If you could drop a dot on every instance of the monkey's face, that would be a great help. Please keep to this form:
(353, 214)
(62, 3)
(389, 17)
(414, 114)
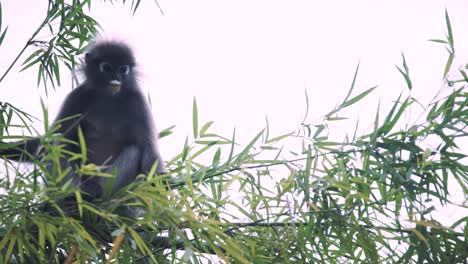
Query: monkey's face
(113, 76)
(109, 68)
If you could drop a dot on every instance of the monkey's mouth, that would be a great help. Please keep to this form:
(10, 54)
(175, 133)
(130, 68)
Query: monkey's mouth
(114, 86)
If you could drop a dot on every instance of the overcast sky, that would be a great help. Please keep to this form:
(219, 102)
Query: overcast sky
(244, 60)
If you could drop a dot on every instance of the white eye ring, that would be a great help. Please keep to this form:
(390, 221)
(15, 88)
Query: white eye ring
(124, 69)
(105, 67)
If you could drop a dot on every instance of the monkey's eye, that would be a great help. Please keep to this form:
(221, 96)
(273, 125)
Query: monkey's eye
(105, 67)
(124, 69)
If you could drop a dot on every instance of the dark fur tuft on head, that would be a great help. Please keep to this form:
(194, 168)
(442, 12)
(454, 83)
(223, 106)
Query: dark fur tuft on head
(111, 51)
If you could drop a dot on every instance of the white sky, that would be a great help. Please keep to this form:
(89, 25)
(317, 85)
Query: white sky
(244, 60)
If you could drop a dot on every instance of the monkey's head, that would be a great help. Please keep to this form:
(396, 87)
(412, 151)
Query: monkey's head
(110, 66)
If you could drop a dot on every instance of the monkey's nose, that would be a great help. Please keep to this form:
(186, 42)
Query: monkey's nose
(114, 86)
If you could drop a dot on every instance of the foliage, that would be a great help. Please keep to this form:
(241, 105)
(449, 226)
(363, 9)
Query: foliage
(293, 198)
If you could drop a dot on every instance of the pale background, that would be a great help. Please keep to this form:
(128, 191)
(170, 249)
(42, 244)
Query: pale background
(244, 60)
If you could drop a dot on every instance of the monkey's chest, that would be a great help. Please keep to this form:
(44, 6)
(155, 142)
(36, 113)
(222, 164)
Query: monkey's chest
(106, 137)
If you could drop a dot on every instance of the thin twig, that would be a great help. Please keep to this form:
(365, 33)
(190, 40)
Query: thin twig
(117, 243)
(70, 256)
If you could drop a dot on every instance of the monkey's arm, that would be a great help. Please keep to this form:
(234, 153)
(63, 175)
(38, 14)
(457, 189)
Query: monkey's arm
(70, 115)
(21, 150)
(24, 150)
(148, 141)
(149, 157)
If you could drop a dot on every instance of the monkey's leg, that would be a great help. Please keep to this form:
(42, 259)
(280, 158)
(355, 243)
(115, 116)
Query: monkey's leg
(127, 167)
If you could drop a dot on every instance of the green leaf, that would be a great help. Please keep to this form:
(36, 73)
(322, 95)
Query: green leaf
(39, 74)
(206, 147)
(465, 76)
(216, 157)
(45, 115)
(307, 106)
(204, 128)
(195, 118)
(352, 84)
(336, 118)
(407, 79)
(329, 143)
(1, 15)
(462, 221)
(31, 63)
(448, 65)
(231, 151)
(79, 202)
(166, 132)
(56, 69)
(3, 35)
(185, 150)
(82, 142)
(357, 98)
(405, 73)
(211, 142)
(449, 30)
(42, 236)
(246, 150)
(390, 123)
(135, 6)
(11, 246)
(279, 138)
(319, 130)
(142, 246)
(439, 41)
(267, 162)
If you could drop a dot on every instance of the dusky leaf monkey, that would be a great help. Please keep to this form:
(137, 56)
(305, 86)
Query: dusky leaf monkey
(114, 118)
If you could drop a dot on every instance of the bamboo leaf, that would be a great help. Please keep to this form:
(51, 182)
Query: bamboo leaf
(204, 128)
(216, 158)
(353, 83)
(82, 143)
(2, 37)
(420, 236)
(166, 132)
(55, 66)
(246, 150)
(231, 151)
(1, 16)
(439, 41)
(30, 63)
(195, 118)
(357, 98)
(405, 73)
(449, 30)
(448, 65)
(279, 138)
